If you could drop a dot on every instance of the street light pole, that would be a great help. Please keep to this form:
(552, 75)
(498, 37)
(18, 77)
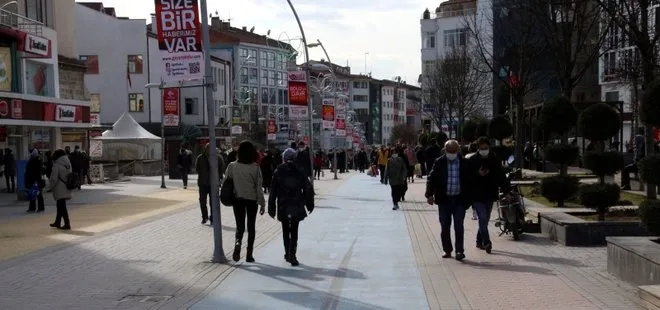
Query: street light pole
(162, 138)
(309, 104)
(218, 252)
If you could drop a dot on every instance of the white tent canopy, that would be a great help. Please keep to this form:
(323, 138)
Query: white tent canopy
(127, 129)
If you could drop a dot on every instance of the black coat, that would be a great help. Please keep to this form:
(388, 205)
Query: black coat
(33, 173)
(267, 167)
(486, 188)
(432, 153)
(436, 182)
(304, 162)
(285, 202)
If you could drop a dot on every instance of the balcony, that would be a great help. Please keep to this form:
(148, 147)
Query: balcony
(22, 23)
(455, 13)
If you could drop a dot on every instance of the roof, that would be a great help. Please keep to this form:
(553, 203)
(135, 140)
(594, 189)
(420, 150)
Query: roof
(98, 6)
(71, 62)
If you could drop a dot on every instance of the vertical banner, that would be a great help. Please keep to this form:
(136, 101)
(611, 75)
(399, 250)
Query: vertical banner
(298, 88)
(272, 129)
(328, 114)
(5, 69)
(340, 127)
(171, 106)
(179, 40)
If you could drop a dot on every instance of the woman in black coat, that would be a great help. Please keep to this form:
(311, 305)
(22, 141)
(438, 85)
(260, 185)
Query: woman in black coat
(267, 170)
(290, 192)
(33, 175)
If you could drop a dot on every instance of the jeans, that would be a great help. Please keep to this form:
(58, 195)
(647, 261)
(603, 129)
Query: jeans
(381, 169)
(398, 191)
(10, 179)
(204, 192)
(62, 213)
(454, 209)
(625, 175)
(37, 204)
(317, 173)
(184, 176)
(245, 208)
(483, 209)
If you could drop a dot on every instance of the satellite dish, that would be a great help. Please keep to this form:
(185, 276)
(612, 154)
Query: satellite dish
(268, 33)
(252, 29)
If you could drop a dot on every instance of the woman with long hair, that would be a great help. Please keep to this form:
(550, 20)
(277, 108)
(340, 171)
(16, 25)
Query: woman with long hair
(248, 182)
(57, 184)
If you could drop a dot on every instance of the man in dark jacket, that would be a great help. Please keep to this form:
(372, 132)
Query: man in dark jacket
(448, 186)
(33, 176)
(290, 192)
(9, 161)
(487, 177)
(303, 159)
(184, 162)
(433, 152)
(203, 167)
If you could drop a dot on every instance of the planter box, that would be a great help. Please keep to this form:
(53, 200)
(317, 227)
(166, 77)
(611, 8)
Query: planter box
(573, 231)
(635, 260)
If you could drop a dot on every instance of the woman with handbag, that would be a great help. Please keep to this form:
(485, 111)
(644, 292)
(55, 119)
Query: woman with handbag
(245, 174)
(34, 182)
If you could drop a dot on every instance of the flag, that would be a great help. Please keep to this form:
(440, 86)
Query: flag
(128, 75)
(513, 79)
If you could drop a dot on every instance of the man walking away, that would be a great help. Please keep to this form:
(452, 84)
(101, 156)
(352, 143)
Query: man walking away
(640, 149)
(447, 186)
(396, 175)
(184, 162)
(203, 166)
(9, 162)
(487, 177)
(434, 151)
(75, 158)
(303, 160)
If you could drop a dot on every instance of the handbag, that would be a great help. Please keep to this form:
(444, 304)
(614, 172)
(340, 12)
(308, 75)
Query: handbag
(33, 192)
(227, 192)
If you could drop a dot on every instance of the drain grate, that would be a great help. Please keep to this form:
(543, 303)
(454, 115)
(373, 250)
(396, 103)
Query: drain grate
(146, 298)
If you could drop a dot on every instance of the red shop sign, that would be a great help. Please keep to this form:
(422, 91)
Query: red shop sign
(272, 127)
(16, 108)
(4, 108)
(297, 93)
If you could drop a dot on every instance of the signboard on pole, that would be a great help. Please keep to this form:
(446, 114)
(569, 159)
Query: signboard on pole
(171, 107)
(298, 113)
(272, 129)
(328, 114)
(298, 88)
(179, 40)
(340, 127)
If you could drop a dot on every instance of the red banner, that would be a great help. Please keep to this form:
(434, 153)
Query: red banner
(178, 26)
(171, 107)
(341, 124)
(656, 133)
(298, 88)
(272, 126)
(356, 138)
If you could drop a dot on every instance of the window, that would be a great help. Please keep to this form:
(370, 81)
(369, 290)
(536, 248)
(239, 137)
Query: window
(92, 63)
(429, 40)
(190, 106)
(271, 60)
(455, 37)
(360, 98)
(253, 76)
(264, 95)
(609, 64)
(221, 76)
(95, 103)
(244, 75)
(273, 78)
(243, 53)
(263, 61)
(264, 77)
(271, 96)
(36, 10)
(360, 85)
(135, 102)
(252, 57)
(281, 78)
(135, 64)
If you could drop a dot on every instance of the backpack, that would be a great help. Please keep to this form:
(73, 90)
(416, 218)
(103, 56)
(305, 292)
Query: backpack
(72, 181)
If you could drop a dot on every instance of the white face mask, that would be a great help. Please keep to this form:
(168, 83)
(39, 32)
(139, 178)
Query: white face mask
(451, 156)
(484, 153)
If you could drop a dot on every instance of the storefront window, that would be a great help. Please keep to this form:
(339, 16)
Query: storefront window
(38, 79)
(39, 138)
(136, 102)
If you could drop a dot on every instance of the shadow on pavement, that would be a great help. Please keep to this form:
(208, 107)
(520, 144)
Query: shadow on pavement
(541, 259)
(310, 298)
(510, 267)
(326, 207)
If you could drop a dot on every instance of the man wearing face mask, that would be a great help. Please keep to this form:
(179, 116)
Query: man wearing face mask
(448, 186)
(486, 178)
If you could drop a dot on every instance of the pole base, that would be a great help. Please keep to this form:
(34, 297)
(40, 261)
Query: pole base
(219, 260)
(163, 186)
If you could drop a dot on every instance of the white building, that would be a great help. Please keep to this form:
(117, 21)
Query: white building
(387, 110)
(32, 114)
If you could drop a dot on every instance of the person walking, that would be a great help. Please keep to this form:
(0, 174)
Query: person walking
(184, 162)
(267, 167)
(303, 159)
(9, 161)
(34, 176)
(640, 152)
(397, 171)
(61, 193)
(434, 151)
(248, 182)
(383, 157)
(412, 161)
(487, 179)
(318, 165)
(291, 192)
(448, 186)
(203, 167)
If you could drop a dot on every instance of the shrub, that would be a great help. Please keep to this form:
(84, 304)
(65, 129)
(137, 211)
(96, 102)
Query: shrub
(649, 169)
(599, 196)
(500, 128)
(599, 122)
(603, 164)
(482, 129)
(561, 154)
(649, 213)
(559, 188)
(650, 110)
(558, 115)
(469, 131)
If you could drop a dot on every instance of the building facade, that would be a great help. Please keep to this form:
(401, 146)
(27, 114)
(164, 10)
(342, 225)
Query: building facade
(34, 113)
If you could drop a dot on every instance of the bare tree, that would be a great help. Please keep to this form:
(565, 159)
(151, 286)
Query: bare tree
(455, 87)
(633, 28)
(511, 46)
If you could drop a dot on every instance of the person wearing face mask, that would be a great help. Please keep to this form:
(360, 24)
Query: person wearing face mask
(448, 186)
(487, 177)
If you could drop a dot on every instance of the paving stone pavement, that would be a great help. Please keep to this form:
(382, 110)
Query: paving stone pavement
(533, 273)
(159, 264)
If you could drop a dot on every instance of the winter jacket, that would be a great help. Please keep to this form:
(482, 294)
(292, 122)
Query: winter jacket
(397, 170)
(61, 170)
(248, 181)
(290, 192)
(33, 172)
(184, 160)
(203, 168)
(487, 188)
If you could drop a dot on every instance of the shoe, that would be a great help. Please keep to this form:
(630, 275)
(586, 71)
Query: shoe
(480, 247)
(65, 227)
(30, 211)
(403, 198)
(249, 259)
(55, 225)
(286, 258)
(447, 255)
(40, 210)
(489, 248)
(395, 207)
(294, 261)
(185, 187)
(460, 256)
(237, 251)
(204, 221)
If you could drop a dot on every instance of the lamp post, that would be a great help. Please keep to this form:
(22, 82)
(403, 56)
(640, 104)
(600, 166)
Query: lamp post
(161, 86)
(309, 105)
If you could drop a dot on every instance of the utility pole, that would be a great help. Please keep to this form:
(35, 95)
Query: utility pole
(218, 252)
